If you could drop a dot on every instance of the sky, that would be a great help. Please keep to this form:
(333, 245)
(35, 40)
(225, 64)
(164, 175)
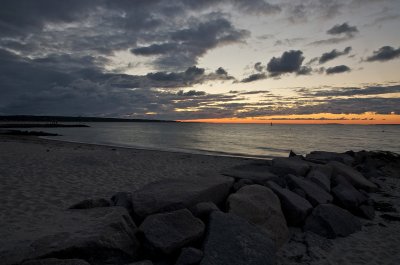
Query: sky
(281, 61)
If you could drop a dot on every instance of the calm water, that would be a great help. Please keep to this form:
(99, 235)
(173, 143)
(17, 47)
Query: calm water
(253, 140)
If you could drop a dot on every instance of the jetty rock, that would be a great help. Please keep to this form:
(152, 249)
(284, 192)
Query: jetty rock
(234, 241)
(331, 221)
(168, 232)
(98, 236)
(174, 194)
(294, 207)
(353, 176)
(260, 206)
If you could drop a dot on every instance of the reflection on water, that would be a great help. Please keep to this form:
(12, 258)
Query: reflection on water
(255, 140)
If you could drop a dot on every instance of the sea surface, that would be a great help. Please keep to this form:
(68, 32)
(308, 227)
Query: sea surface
(248, 140)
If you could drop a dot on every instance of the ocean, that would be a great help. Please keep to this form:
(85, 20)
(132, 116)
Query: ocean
(245, 140)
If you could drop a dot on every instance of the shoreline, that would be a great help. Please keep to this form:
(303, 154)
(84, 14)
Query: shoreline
(183, 151)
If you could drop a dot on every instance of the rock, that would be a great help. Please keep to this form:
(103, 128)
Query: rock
(168, 232)
(367, 211)
(314, 193)
(259, 205)
(325, 157)
(241, 183)
(234, 241)
(56, 262)
(348, 197)
(91, 203)
(203, 209)
(98, 235)
(173, 194)
(321, 175)
(123, 199)
(331, 221)
(189, 256)
(294, 207)
(292, 154)
(258, 173)
(353, 176)
(284, 166)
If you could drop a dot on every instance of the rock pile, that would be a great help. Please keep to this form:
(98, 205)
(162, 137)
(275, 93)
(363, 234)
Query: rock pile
(239, 217)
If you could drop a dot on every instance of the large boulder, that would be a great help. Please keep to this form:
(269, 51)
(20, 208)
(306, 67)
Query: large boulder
(325, 157)
(234, 241)
(283, 166)
(295, 208)
(353, 176)
(314, 194)
(348, 197)
(321, 175)
(259, 205)
(52, 261)
(168, 232)
(173, 194)
(331, 221)
(258, 173)
(98, 236)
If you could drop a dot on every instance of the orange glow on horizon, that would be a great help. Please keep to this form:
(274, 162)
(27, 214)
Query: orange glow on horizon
(320, 118)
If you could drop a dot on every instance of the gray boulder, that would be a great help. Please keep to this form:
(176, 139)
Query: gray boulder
(293, 165)
(52, 261)
(331, 221)
(325, 157)
(259, 205)
(98, 235)
(321, 175)
(91, 203)
(168, 232)
(294, 207)
(348, 197)
(314, 193)
(189, 256)
(234, 241)
(353, 176)
(173, 194)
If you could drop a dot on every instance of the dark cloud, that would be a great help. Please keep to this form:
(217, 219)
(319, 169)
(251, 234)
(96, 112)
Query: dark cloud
(342, 32)
(353, 91)
(344, 28)
(185, 46)
(385, 53)
(254, 77)
(221, 71)
(289, 62)
(190, 93)
(328, 56)
(259, 67)
(337, 69)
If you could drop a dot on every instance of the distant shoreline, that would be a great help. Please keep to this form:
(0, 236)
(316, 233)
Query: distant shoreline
(52, 119)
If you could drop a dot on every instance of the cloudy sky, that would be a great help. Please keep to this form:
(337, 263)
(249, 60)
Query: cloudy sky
(228, 60)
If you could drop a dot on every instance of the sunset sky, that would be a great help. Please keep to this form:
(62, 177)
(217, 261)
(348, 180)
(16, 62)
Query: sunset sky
(281, 61)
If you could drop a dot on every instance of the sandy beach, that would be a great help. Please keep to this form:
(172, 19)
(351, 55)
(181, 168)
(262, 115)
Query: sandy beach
(39, 178)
